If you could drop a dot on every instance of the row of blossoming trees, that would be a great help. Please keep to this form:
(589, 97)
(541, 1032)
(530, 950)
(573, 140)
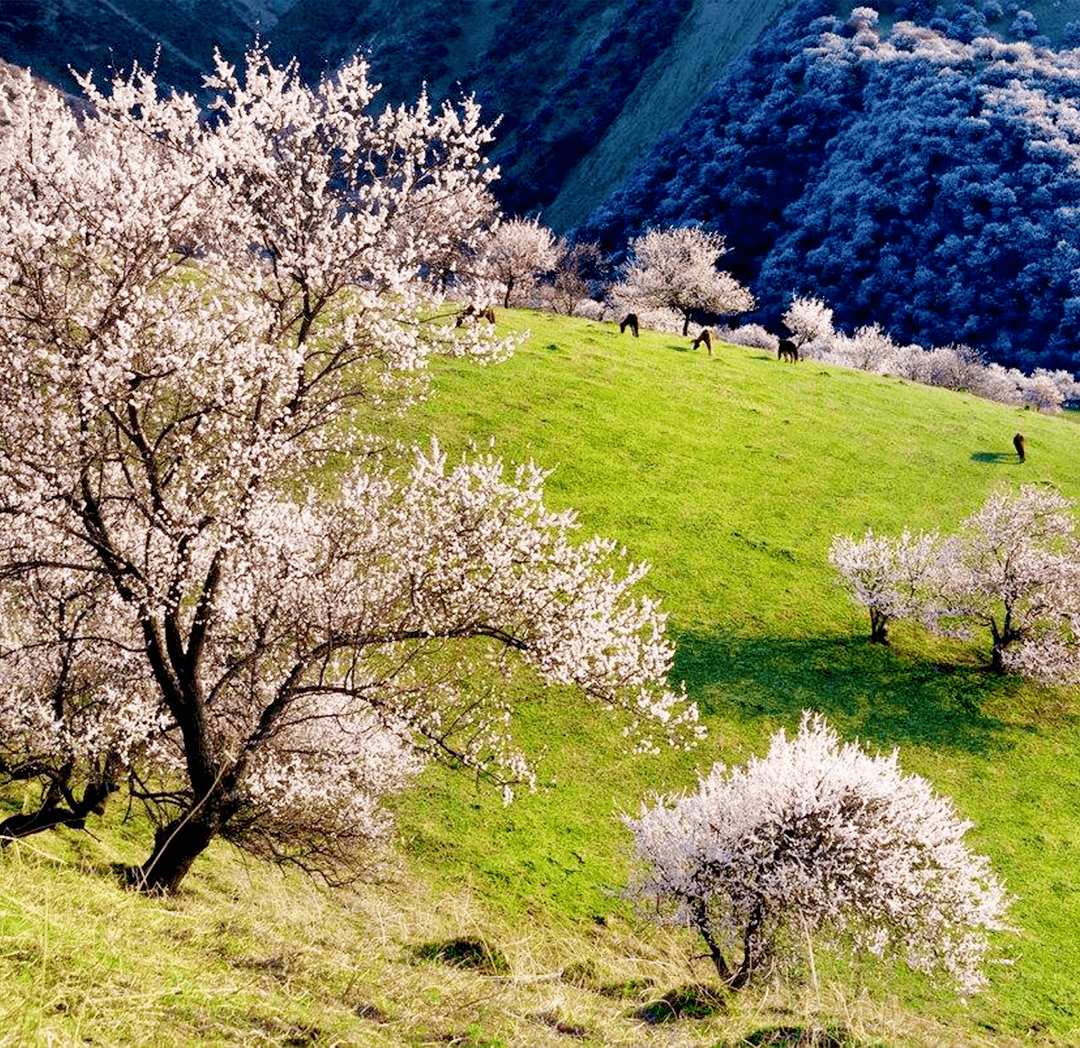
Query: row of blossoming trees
(671, 277)
(957, 367)
(1013, 569)
(195, 316)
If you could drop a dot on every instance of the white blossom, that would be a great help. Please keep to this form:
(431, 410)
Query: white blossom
(809, 319)
(893, 578)
(675, 270)
(519, 250)
(1013, 569)
(818, 840)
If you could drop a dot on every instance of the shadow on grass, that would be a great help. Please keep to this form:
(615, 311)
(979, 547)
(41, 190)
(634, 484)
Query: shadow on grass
(888, 699)
(800, 1037)
(694, 1001)
(464, 952)
(995, 456)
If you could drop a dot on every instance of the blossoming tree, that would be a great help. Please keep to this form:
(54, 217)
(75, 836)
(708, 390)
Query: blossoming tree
(818, 838)
(195, 604)
(519, 250)
(1013, 569)
(809, 319)
(1018, 575)
(675, 269)
(890, 577)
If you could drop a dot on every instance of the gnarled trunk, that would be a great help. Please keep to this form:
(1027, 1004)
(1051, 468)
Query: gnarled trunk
(879, 627)
(176, 846)
(52, 811)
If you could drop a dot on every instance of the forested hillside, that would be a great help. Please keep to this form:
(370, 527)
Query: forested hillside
(919, 174)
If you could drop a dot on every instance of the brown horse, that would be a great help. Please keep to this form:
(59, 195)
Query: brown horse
(788, 351)
(471, 312)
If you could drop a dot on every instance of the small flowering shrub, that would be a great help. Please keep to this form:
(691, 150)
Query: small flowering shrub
(959, 367)
(753, 335)
(818, 840)
(809, 320)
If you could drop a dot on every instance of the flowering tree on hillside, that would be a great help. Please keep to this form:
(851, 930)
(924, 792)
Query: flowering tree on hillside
(1013, 569)
(676, 269)
(579, 269)
(194, 317)
(809, 320)
(1018, 575)
(818, 839)
(517, 252)
(891, 577)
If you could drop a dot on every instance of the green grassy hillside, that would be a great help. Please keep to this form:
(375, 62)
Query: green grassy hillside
(730, 474)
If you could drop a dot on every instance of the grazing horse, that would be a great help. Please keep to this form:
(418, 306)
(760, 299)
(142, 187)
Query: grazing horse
(629, 321)
(788, 351)
(471, 312)
(705, 337)
(1018, 443)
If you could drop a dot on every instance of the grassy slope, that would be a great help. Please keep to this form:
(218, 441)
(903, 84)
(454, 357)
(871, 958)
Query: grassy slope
(730, 475)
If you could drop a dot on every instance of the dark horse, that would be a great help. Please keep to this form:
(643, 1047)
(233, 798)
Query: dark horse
(788, 351)
(476, 313)
(629, 321)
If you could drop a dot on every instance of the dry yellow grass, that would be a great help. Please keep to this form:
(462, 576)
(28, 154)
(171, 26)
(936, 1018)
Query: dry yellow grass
(246, 955)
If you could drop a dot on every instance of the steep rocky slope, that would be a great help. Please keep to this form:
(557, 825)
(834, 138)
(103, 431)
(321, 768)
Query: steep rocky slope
(583, 96)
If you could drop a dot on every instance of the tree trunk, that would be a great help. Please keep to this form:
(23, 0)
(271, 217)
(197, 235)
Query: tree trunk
(686, 324)
(1002, 638)
(879, 627)
(715, 953)
(176, 847)
(51, 813)
(749, 961)
(997, 661)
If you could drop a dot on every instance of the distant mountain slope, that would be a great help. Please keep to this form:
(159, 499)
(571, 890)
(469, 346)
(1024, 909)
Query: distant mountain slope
(585, 88)
(917, 175)
(832, 177)
(709, 39)
(54, 36)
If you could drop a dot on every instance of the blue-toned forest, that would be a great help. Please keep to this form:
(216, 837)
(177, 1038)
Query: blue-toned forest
(912, 169)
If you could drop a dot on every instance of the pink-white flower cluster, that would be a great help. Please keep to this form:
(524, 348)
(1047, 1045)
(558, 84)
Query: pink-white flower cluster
(818, 839)
(197, 316)
(888, 576)
(958, 367)
(519, 251)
